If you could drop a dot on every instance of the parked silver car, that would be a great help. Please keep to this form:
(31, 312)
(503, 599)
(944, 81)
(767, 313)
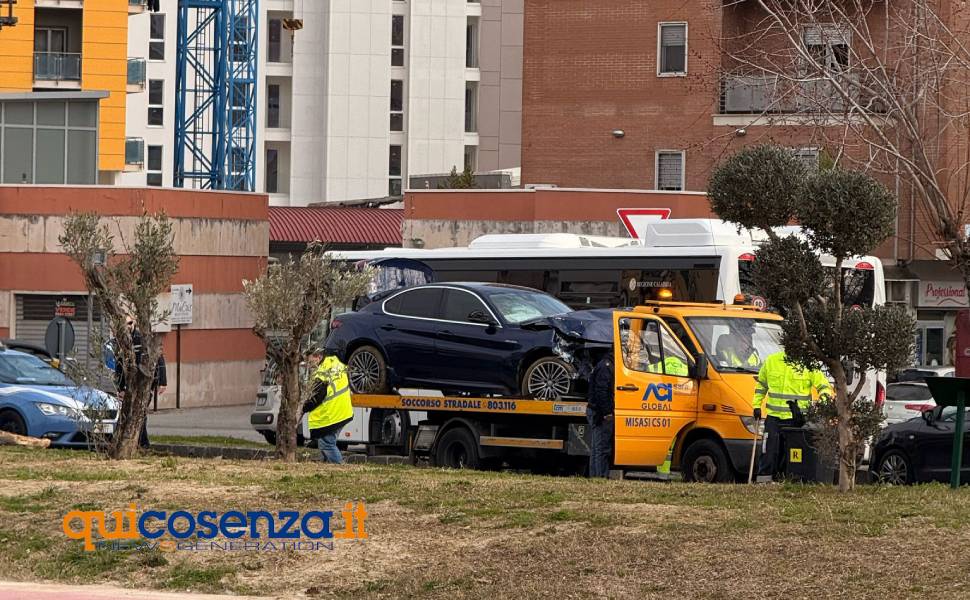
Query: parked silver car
(905, 401)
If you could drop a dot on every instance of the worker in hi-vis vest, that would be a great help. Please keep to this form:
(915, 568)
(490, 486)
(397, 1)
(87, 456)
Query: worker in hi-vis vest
(329, 403)
(778, 384)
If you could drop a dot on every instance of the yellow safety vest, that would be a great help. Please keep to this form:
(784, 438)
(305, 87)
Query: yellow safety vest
(337, 406)
(733, 359)
(779, 382)
(671, 366)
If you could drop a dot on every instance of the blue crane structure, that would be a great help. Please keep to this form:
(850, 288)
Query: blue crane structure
(215, 94)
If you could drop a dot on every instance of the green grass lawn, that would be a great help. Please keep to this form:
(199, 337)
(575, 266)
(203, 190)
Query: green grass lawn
(460, 534)
(209, 440)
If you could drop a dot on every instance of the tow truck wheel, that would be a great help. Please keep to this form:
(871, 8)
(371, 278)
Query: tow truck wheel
(367, 371)
(548, 378)
(457, 449)
(705, 462)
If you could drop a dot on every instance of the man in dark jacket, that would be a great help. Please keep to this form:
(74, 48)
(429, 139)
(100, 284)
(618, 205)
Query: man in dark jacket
(599, 414)
(158, 385)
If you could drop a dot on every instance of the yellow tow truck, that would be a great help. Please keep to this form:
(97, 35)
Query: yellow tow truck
(685, 377)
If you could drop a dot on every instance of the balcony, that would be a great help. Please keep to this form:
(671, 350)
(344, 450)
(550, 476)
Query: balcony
(136, 75)
(744, 99)
(58, 67)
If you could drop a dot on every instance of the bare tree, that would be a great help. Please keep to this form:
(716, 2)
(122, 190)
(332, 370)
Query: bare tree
(127, 282)
(288, 302)
(885, 85)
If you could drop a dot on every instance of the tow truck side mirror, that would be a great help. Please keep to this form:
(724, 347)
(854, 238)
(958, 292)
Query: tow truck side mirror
(700, 367)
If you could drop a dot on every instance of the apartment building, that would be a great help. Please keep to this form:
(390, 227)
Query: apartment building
(355, 96)
(651, 95)
(63, 91)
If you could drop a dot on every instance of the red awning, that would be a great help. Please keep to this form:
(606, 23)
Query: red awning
(335, 225)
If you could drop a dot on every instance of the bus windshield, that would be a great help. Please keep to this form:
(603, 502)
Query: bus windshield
(737, 345)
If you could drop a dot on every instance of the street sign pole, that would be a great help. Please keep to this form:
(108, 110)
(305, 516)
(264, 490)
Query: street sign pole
(956, 461)
(178, 366)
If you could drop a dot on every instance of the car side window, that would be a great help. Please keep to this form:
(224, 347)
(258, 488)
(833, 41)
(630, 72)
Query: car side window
(459, 304)
(422, 302)
(681, 332)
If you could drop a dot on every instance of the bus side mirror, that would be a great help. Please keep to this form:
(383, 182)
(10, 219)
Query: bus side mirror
(700, 367)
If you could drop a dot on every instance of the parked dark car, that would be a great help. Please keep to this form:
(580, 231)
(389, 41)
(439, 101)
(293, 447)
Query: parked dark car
(455, 337)
(920, 449)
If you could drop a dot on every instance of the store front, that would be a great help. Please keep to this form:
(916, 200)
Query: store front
(940, 296)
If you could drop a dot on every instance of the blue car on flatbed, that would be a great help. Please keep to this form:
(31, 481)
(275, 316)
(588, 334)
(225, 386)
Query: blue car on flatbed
(39, 400)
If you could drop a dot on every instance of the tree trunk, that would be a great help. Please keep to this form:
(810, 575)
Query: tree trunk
(846, 454)
(290, 409)
(131, 419)
(12, 439)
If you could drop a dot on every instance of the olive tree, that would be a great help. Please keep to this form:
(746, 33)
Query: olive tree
(287, 303)
(843, 214)
(127, 279)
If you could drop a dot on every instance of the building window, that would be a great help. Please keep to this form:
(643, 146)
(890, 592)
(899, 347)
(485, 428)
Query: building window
(670, 170)
(397, 105)
(156, 101)
(471, 106)
(237, 103)
(471, 43)
(156, 37)
(808, 157)
(828, 46)
(471, 158)
(394, 171)
(272, 170)
(672, 49)
(274, 48)
(154, 166)
(397, 41)
(273, 105)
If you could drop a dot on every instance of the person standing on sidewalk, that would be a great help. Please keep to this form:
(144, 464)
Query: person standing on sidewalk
(599, 415)
(329, 403)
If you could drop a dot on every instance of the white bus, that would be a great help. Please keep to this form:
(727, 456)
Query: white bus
(698, 260)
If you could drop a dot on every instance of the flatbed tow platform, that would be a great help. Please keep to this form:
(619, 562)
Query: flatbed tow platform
(485, 432)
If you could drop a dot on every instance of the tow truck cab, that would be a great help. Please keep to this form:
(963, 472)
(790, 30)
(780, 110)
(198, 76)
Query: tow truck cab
(685, 378)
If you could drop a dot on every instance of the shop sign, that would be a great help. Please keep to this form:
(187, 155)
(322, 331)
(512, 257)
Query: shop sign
(942, 294)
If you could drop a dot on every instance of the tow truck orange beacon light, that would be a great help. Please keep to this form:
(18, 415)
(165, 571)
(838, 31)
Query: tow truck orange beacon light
(664, 294)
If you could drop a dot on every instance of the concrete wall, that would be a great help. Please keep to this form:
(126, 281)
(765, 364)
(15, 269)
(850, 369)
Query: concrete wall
(222, 239)
(500, 89)
(443, 218)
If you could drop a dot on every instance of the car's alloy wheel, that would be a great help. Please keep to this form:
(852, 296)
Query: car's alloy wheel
(893, 469)
(365, 369)
(548, 379)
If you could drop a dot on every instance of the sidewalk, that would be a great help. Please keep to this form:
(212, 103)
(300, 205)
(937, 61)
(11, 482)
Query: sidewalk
(224, 421)
(10, 590)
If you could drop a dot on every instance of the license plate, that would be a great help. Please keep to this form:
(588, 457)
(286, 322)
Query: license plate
(104, 428)
(261, 400)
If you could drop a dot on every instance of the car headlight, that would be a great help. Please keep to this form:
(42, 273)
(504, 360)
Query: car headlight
(54, 410)
(751, 424)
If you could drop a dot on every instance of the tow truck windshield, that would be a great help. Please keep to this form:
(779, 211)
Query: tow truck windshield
(736, 345)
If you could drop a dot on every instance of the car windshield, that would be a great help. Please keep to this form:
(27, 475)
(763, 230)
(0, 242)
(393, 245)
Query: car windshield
(737, 345)
(519, 306)
(30, 370)
(908, 392)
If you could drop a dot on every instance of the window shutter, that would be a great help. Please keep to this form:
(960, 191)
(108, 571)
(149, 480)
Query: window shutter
(673, 35)
(670, 169)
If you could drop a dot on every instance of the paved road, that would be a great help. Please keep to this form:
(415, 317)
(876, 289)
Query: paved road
(41, 591)
(230, 421)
